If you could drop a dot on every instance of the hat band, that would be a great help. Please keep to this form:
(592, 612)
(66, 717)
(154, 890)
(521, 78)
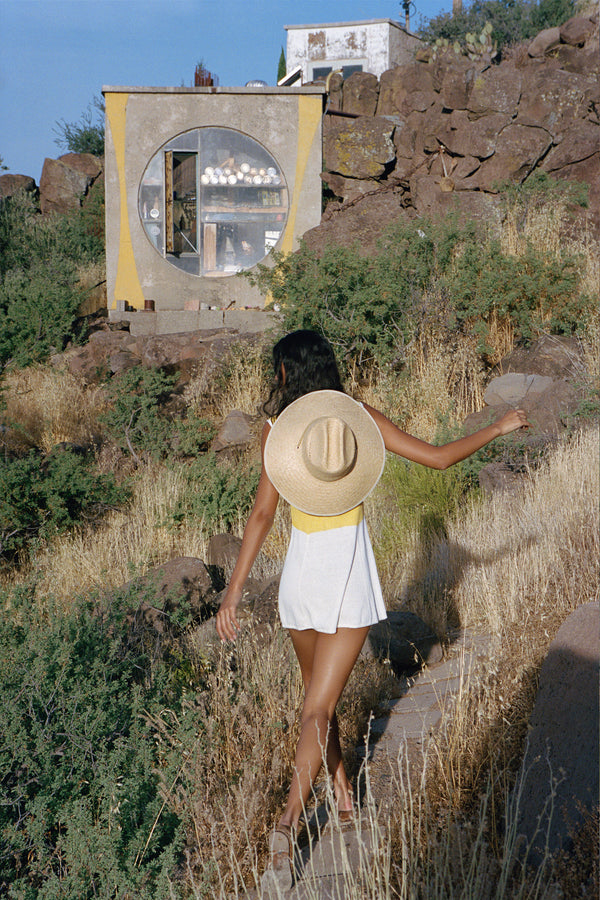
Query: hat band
(328, 448)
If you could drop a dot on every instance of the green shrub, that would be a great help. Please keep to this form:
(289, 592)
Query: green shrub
(39, 289)
(371, 308)
(537, 291)
(39, 498)
(38, 306)
(368, 307)
(82, 814)
(425, 499)
(135, 421)
(218, 494)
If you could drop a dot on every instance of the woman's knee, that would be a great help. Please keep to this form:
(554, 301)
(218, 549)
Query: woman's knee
(318, 716)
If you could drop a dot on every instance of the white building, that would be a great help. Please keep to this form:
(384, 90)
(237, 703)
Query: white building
(371, 46)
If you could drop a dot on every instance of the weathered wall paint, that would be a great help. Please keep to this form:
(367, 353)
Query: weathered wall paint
(377, 44)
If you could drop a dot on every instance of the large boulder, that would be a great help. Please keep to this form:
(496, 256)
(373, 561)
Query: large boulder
(554, 100)
(360, 94)
(358, 148)
(258, 610)
(349, 189)
(12, 184)
(235, 433)
(65, 181)
(464, 137)
(558, 784)
(456, 80)
(179, 587)
(405, 89)
(577, 30)
(497, 90)
(514, 388)
(518, 149)
(86, 163)
(544, 42)
(575, 147)
(223, 551)
(361, 224)
(557, 356)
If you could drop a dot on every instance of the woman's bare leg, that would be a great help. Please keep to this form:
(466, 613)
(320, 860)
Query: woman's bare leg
(326, 661)
(304, 644)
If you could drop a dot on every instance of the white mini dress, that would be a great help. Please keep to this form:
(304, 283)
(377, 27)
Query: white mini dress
(329, 578)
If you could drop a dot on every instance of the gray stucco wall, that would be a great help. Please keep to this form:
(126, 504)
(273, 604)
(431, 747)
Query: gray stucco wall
(275, 117)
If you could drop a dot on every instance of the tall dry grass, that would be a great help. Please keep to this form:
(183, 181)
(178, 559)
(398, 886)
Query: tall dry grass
(46, 406)
(239, 382)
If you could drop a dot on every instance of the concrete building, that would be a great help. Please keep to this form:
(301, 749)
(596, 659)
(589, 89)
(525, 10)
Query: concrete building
(201, 184)
(371, 46)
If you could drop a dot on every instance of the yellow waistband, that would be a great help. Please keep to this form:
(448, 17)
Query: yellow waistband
(309, 524)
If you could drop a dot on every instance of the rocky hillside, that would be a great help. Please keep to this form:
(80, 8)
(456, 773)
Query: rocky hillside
(444, 131)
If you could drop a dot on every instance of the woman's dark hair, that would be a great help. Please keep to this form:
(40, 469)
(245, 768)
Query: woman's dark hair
(309, 363)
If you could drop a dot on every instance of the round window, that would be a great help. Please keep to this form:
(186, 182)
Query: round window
(213, 201)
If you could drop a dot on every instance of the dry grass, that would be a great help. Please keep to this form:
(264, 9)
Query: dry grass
(46, 406)
(240, 381)
(128, 541)
(443, 379)
(501, 558)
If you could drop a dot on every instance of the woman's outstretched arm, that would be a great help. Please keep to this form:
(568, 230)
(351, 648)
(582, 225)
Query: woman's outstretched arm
(257, 527)
(398, 441)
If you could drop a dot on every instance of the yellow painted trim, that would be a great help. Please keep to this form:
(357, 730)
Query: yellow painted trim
(127, 283)
(310, 524)
(309, 118)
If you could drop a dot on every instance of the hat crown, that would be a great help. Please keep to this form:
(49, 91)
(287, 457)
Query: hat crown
(329, 448)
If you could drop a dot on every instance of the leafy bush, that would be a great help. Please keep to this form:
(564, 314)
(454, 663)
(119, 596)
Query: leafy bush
(39, 289)
(370, 308)
(82, 814)
(87, 134)
(511, 22)
(219, 494)
(37, 310)
(534, 292)
(40, 498)
(134, 420)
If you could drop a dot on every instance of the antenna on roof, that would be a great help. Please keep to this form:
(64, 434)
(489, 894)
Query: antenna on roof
(409, 9)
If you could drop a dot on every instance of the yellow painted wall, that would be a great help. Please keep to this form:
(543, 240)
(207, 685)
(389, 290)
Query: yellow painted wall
(127, 283)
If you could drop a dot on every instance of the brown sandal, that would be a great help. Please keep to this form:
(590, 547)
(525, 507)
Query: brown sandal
(281, 847)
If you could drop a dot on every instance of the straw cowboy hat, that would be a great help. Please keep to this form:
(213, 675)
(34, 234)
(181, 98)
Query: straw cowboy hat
(324, 453)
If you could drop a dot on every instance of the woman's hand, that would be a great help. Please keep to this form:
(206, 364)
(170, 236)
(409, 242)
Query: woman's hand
(227, 623)
(511, 421)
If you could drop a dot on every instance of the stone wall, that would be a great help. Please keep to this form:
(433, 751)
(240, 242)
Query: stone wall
(443, 131)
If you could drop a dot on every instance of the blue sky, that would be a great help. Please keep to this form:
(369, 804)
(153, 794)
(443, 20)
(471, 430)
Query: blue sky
(56, 54)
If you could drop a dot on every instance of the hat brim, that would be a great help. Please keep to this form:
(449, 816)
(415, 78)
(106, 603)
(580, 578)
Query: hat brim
(287, 472)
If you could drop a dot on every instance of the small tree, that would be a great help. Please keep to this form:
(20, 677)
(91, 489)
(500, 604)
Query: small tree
(86, 135)
(281, 67)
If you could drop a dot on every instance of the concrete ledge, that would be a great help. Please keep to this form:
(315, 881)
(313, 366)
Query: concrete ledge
(180, 321)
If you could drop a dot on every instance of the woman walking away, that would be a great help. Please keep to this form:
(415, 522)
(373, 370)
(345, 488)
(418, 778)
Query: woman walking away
(324, 452)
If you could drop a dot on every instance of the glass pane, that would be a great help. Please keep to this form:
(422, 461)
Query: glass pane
(151, 203)
(243, 201)
(225, 206)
